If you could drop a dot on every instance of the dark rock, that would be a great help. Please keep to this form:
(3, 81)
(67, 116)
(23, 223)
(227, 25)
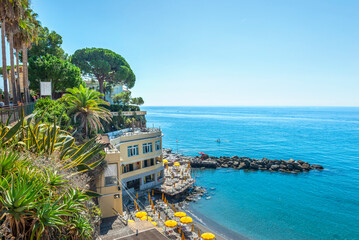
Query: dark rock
(254, 166)
(205, 156)
(283, 166)
(274, 167)
(319, 167)
(306, 166)
(291, 161)
(300, 162)
(242, 165)
(296, 166)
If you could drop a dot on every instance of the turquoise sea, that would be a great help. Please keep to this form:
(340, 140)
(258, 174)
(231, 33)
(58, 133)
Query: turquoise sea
(264, 205)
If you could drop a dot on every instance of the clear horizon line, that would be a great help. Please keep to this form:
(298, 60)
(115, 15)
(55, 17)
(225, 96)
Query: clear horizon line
(249, 106)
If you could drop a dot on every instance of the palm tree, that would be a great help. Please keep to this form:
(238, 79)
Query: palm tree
(32, 28)
(84, 104)
(11, 12)
(4, 6)
(23, 39)
(18, 41)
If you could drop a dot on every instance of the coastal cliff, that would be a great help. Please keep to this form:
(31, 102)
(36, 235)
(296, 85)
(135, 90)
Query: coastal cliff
(245, 163)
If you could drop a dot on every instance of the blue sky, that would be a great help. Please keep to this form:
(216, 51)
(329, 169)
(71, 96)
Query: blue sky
(222, 52)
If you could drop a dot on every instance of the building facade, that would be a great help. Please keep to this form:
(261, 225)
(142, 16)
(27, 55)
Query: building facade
(134, 158)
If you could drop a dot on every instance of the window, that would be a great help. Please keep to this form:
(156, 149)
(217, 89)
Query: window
(132, 150)
(158, 145)
(147, 148)
(149, 178)
(127, 168)
(160, 175)
(148, 162)
(111, 175)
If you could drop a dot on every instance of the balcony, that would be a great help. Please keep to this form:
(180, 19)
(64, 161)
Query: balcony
(141, 170)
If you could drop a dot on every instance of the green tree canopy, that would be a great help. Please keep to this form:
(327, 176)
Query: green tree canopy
(105, 65)
(49, 43)
(122, 98)
(60, 72)
(125, 98)
(137, 101)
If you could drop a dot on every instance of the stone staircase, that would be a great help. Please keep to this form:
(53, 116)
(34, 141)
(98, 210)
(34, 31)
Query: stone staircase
(113, 227)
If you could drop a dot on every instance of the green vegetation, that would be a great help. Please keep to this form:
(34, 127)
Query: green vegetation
(125, 98)
(60, 72)
(51, 110)
(48, 62)
(44, 191)
(20, 27)
(48, 43)
(105, 65)
(85, 106)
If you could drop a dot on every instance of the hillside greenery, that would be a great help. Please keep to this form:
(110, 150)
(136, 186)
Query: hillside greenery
(44, 190)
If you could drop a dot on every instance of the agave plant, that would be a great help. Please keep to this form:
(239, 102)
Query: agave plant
(80, 228)
(74, 200)
(48, 214)
(20, 194)
(7, 161)
(39, 201)
(48, 139)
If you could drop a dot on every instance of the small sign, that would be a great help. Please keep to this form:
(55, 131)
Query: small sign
(45, 88)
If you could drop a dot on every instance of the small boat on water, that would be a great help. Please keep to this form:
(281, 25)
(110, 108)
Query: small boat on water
(212, 188)
(208, 198)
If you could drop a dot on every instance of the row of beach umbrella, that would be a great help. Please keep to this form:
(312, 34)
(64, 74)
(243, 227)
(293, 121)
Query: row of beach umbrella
(184, 219)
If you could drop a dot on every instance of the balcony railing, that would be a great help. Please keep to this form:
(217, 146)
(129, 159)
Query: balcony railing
(130, 113)
(131, 132)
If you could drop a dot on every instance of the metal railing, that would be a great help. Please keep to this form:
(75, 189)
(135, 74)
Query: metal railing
(13, 113)
(131, 132)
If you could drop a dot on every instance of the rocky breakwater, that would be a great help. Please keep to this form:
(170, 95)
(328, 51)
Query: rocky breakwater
(288, 166)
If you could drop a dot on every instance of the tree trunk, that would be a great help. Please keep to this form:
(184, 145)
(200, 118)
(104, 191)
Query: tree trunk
(13, 82)
(86, 128)
(100, 83)
(24, 74)
(4, 67)
(18, 85)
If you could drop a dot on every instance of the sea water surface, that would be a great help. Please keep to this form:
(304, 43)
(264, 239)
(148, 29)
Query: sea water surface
(263, 205)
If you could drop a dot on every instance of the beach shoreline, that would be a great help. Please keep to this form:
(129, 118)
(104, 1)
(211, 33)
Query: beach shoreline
(207, 224)
(204, 223)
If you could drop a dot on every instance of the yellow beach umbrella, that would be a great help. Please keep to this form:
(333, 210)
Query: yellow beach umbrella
(154, 223)
(186, 220)
(170, 223)
(176, 164)
(165, 161)
(180, 214)
(141, 214)
(208, 236)
(146, 218)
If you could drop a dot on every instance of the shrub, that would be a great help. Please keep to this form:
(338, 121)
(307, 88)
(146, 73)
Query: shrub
(54, 110)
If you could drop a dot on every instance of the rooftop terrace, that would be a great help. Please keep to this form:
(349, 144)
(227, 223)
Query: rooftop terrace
(132, 132)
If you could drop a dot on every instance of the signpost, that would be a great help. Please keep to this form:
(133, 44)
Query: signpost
(45, 89)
